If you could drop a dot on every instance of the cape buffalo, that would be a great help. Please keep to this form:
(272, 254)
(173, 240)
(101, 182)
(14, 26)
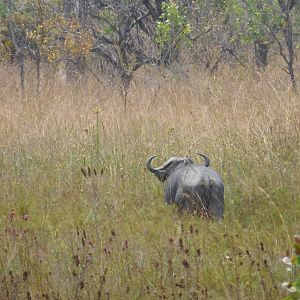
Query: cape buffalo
(192, 186)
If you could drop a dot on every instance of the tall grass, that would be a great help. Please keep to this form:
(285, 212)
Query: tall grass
(82, 219)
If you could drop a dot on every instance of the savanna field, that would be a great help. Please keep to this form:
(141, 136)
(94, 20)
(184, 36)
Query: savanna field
(81, 218)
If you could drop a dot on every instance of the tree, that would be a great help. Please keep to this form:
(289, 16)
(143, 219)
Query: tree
(16, 38)
(287, 28)
(172, 31)
(262, 22)
(124, 36)
(38, 30)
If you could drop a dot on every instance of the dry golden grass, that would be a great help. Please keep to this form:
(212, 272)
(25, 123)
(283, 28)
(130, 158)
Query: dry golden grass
(110, 235)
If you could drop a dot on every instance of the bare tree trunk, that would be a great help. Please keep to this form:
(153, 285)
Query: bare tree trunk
(154, 11)
(38, 76)
(83, 10)
(286, 8)
(22, 73)
(18, 45)
(288, 35)
(75, 68)
(261, 54)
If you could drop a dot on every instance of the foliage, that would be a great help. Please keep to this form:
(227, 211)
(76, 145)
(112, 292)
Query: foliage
(41, 27)
(172, 31)
(172, 28)
(130, 34)
(59, 38)
(255, 20)
(2, 9)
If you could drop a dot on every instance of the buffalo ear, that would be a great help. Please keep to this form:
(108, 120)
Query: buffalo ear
(161, 176)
